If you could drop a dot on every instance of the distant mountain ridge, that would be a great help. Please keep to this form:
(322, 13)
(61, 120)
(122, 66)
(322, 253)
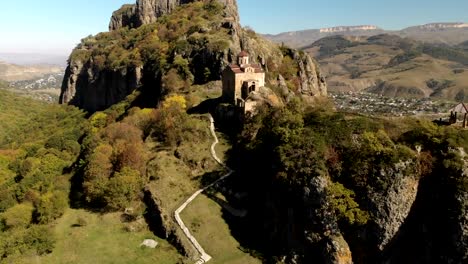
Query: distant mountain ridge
(442, 26)
(341, 29)
(447, 33)
(393, 66)
(34, 59)
(14, 72)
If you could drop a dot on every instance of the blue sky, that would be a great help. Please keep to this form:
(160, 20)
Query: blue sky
(56, 26)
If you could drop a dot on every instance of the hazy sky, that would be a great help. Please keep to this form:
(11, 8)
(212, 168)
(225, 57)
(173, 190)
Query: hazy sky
(56, 26)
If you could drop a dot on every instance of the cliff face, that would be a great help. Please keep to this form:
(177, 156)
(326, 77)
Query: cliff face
(348, 202)
(207, 47)
(312, 81)
(123, 17)
(148, 11)
(391, 208)
(94, 89)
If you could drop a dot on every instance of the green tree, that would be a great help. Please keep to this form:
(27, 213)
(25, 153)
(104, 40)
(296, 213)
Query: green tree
(97, 172)
(346, 208)
(50, 207)
(18, 216)
(123, 188)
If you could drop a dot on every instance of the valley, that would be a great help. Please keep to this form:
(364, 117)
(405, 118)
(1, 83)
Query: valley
(377, 105)
(182, 136)
(435, 33)
(392, 66)
(41, 82)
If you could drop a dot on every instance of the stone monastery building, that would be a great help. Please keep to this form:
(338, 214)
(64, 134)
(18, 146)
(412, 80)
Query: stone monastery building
(241, 79)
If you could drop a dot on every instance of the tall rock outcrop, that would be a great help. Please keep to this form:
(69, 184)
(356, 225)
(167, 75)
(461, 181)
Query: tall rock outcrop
(392, 207)
(124, 17)
(312, 81)
(148, 11)
(94, 89)
(105, 68)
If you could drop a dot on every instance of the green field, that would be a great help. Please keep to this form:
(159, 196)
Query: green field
(104, 240)
(204, 218)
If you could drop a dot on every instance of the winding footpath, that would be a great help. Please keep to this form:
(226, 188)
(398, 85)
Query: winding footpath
(204, 257)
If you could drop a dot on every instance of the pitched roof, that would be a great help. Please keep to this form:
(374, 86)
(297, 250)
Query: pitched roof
(460, 108)
(243, 54)
(238, 69)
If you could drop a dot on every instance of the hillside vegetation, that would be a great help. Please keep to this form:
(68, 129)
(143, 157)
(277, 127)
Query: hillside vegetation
(393, 66)
(38, 143)
(44, 170)
(324, 185)
(189, 46)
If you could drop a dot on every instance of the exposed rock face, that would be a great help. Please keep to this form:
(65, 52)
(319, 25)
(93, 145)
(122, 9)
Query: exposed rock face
(461, 214)
(324, 233)
(393, 207)
(264, 96)
(163, 225)
(70, 79)
(94, 89)
(338, 251)
(312, 82)
(285, 92)
(461, 225)
(148, 11)
(442, 26)
(123, 17)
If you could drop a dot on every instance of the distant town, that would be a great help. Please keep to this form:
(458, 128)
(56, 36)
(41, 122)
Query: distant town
(45, 88)
(373, 104)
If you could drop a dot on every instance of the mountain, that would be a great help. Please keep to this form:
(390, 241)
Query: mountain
(14, 72)
(42, 81)
(393, 66)
(293, 182)
(302, 38)
(155, 41)
(34, 59)
(447, 33)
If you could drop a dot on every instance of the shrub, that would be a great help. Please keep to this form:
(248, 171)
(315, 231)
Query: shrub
(123, 188)
(50, 207)
(172, 82)
(288, 68)
(18, 216)
(41, 239)
(345, 207)
(98, 121)
(97, 172)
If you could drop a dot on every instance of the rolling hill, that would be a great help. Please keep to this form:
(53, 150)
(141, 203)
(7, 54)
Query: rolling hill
(446, 33)
(393, 66)
(14, 72)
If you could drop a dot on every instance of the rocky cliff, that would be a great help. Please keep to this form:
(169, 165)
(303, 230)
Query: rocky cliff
(103, 69)
(125, 16)
(441, 26)
(322, 192)
(148, 11)
(93, 89)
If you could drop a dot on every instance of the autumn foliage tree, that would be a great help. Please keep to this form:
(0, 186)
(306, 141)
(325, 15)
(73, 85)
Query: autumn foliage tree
(113, 176)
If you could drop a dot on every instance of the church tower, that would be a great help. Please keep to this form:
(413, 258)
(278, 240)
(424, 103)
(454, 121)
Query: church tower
(243, 58)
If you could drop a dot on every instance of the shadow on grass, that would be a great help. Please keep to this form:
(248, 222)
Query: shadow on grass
(238, 213)
(205, 107)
